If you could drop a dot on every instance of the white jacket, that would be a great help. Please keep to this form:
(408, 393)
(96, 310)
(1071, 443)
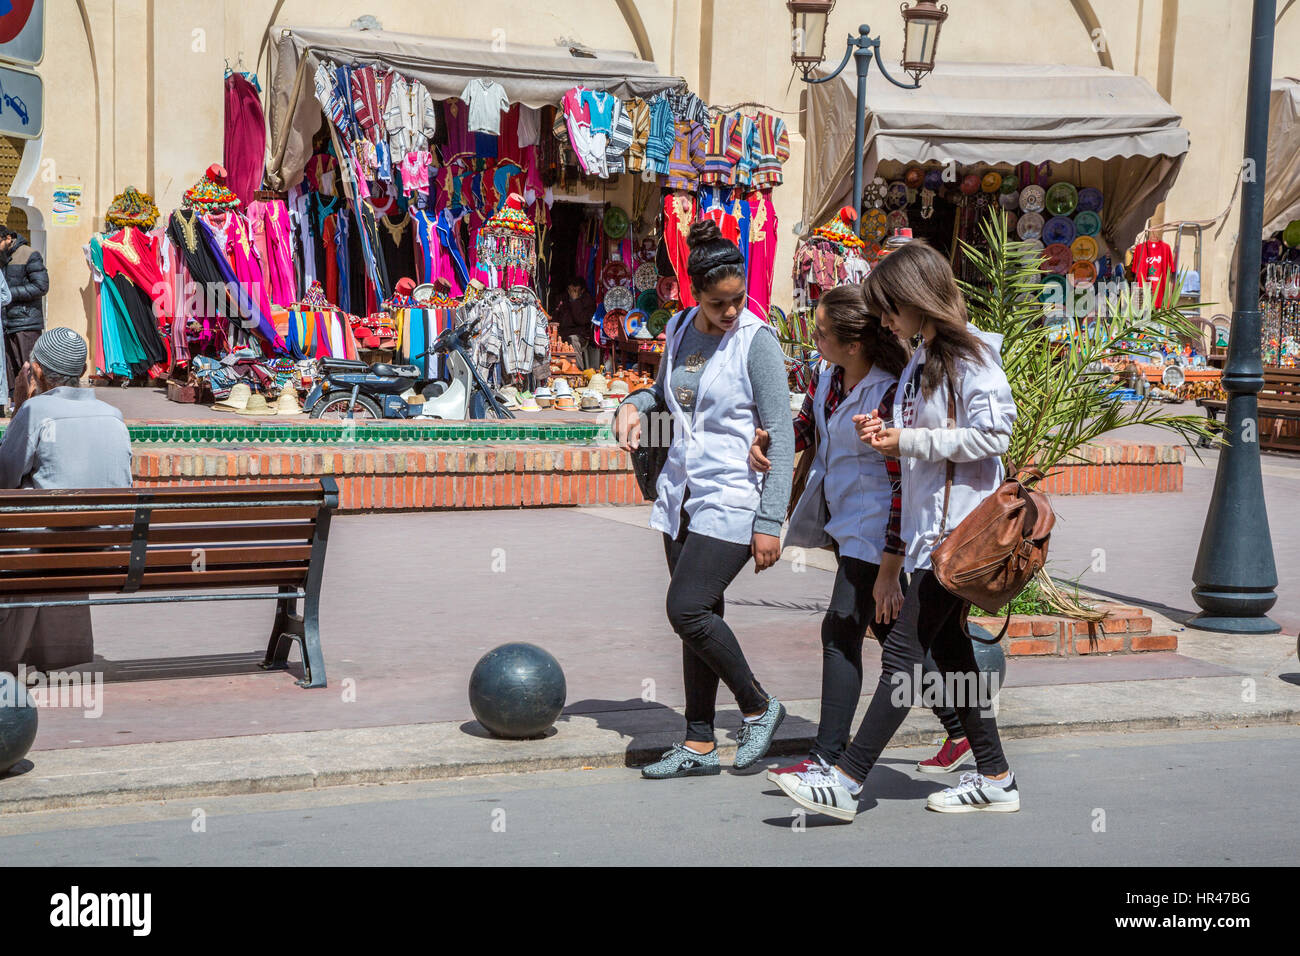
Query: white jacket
(848, 493)
(710, 453)
(982, 434)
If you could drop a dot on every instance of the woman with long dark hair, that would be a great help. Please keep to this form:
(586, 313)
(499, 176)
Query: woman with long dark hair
(722, 377)
(955, 406)
(852, 504)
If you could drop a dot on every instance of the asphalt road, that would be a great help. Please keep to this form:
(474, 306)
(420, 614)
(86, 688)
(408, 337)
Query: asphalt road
(1173, 798)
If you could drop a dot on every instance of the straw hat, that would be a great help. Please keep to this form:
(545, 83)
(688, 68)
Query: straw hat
(598, 383)
(528, 403)
(237, 400)
(287, 403)
(257, 406)
(590, 401)
(565, 402)
(562, 388)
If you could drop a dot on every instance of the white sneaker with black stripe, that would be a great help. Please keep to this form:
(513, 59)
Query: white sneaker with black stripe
(820, 791)
(973, 792)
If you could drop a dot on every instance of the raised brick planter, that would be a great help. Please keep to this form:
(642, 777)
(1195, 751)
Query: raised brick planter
(1126, 631)
(1113, 467)
(413, 479)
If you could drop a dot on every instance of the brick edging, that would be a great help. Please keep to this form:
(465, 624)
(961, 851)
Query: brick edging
(1127, 630)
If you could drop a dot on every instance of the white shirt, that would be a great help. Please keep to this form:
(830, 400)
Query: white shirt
(928, 441)
(530, 126)
(486, 100)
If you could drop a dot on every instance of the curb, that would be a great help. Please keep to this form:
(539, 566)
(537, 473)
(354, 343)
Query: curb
(216, 785)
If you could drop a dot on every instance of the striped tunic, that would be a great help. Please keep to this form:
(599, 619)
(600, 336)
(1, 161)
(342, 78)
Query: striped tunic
(718, 168)
(773, 150)
(687, 157)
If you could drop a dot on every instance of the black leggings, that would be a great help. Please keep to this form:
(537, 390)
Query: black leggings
(930, 620)
(851, 612)
(701, 569)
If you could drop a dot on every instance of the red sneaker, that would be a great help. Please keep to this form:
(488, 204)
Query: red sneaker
(949, 758)
(803, 766)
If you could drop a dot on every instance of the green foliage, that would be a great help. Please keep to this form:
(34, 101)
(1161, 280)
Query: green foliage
(1061, 390)
(1029, 601)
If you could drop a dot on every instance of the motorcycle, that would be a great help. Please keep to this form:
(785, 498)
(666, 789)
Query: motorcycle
(351, 389)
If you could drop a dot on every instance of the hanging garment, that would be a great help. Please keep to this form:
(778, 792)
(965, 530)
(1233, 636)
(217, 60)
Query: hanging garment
(245, 152)
(455, 116)
(686, 107)
(731, 211)
(588, 144)
(409, 116)
(398, 243)
(120, 350)
(341, 248)
(773, 149)
(686, 158)
(508, 146)
(718, 167)
(332, 99)
(639, 113)
(269, 223)
(486, 100)
(211, 296)
(321, 173)
(1153, 264)
(132, 252)
(742, 151)
(762, 252)
(143, 326)
(369, 101)
(348, 129)
(227, 239)
(679, 213)
(415, 171)
(620, 138)
(659, 142)
(600, 109)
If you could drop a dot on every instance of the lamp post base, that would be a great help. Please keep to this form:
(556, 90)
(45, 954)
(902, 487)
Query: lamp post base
(1205, 621)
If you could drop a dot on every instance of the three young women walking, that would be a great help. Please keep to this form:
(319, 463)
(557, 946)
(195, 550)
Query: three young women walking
(722, 376)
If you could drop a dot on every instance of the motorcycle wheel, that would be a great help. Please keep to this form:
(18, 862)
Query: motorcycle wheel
(336, 407)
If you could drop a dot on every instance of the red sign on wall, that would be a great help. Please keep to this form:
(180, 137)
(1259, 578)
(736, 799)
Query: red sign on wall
(22, 31)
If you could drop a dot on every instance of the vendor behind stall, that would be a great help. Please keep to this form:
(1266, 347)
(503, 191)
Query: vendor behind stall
(574, 316)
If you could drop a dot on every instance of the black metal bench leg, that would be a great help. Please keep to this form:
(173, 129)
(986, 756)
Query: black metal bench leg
(286, 629)
(1213, 416)
(313, 661)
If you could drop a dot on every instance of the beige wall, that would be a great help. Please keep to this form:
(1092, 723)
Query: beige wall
(134, 92)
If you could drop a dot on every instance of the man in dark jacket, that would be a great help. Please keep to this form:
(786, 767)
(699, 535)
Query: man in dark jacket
(24, 317)
(574, 318)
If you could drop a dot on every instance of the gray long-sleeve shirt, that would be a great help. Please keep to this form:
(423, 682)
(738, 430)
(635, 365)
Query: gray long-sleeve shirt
(766, 366)
(66, 438)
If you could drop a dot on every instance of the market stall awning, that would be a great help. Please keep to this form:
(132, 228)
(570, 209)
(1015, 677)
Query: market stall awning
(1114, 124)
(1282, 169)
(533, 75)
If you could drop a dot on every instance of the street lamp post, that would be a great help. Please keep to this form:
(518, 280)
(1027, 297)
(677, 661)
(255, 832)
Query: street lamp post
(922, 23)
(1235, 575)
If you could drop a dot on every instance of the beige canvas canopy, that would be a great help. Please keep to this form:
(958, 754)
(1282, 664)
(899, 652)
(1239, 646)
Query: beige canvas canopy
(1282, 169)
(533, 75)
(1108, 130)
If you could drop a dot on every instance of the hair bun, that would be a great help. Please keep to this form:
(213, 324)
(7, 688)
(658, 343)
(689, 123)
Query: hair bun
(703, 232)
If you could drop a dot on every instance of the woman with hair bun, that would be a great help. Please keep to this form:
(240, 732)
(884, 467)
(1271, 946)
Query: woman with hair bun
(721, 378)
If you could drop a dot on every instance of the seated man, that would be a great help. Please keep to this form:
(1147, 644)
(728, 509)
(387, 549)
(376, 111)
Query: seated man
(62, 436)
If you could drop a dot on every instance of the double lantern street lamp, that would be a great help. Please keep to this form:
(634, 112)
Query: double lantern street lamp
(922, 22)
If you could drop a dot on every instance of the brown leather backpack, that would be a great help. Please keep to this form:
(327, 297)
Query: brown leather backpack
(989, 558)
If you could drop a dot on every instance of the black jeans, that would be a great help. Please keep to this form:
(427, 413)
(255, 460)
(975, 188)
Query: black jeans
(701, 569)
(930, 620)
(851, 612)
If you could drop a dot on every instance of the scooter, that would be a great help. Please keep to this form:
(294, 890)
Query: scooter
(349, 389)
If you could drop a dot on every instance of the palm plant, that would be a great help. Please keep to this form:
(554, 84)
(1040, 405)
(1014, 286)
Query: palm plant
(1062, 384)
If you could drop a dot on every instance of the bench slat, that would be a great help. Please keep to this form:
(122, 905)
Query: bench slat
(182, 557)
(62, 584)
(171, 534)
(287, 491)
(88, 519)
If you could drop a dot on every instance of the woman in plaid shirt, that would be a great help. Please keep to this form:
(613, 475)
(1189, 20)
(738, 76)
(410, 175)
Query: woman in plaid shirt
(852, 504)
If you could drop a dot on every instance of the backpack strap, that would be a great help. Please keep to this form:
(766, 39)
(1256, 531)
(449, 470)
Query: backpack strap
(947, 484)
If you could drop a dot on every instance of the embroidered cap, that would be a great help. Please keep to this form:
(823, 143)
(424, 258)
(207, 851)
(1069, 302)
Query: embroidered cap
(62, 352)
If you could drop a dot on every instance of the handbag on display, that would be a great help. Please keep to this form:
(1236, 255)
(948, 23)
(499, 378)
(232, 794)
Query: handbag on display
(990, 556)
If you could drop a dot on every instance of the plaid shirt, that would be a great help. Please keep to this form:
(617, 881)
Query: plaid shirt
(805, 430)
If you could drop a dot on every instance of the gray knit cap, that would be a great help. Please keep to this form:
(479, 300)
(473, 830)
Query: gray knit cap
(61, 352)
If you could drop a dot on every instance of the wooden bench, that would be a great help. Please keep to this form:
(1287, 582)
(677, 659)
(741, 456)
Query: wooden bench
(1279, 400)
(188, 543)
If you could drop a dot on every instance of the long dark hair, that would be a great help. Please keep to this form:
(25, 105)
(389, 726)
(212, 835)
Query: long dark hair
(851, 321)
(713, 257)
(917, 276)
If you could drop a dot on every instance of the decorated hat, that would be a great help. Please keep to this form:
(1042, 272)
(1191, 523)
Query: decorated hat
(509, 238)
(840, 228)
(314, 299)
(132, 208)
(211, 194)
